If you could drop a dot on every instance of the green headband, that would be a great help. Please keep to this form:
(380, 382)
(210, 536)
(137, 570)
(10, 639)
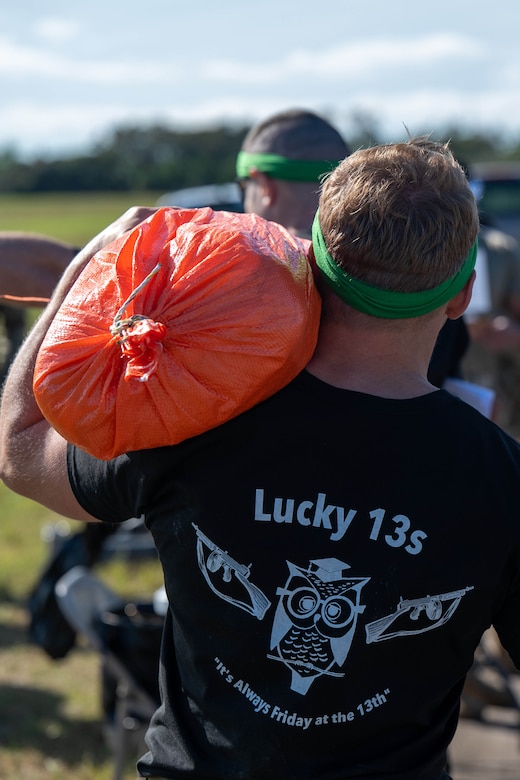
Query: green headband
(386, 303)
(283, 167)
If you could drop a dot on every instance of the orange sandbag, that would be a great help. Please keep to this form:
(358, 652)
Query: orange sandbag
(186, 321)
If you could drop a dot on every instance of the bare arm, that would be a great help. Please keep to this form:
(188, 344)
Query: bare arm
(31, 264)
(32, 454)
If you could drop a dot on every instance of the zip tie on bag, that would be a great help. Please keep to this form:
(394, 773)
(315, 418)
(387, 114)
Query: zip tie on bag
(139, 337)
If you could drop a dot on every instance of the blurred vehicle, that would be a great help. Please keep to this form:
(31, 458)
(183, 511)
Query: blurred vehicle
(496, 187)
(219, 197)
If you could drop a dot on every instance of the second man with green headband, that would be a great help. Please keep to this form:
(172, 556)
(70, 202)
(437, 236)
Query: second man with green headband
(282, 163)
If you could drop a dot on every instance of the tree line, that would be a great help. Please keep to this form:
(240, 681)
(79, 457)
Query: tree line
(159, 158)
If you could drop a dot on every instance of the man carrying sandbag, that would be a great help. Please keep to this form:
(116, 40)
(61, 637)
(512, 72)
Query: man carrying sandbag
(333, 555)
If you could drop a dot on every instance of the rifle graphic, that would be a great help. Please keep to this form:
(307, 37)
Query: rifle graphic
(432, 607)
(219, 559)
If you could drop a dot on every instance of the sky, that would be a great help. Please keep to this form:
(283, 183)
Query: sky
(71, 72)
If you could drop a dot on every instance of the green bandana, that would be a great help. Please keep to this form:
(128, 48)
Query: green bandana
(283, 167)
(386, 303)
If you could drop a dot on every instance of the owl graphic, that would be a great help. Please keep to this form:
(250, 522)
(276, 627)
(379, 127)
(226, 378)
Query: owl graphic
(315, 620)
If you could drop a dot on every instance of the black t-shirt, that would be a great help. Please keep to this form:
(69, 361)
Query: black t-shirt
(331, 561)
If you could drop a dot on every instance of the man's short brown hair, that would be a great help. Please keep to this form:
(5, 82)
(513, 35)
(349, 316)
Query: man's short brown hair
(400, 216)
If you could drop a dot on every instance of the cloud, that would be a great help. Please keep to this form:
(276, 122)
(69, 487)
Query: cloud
(59, 99)
(33, 127)
(428, 109)
(67, 127)
(19, 62)
(349, 62)
(56, 30)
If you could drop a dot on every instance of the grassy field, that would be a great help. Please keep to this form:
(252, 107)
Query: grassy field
(50, 711)
(72, 216)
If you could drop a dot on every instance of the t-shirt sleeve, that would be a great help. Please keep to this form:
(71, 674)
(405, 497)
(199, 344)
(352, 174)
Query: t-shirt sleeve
(506, 621)
(109, 490)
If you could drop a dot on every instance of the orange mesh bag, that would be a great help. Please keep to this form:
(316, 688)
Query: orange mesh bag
(186, 321)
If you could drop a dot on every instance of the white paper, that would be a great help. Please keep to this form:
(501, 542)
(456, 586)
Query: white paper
(481, 302)
(481, 398)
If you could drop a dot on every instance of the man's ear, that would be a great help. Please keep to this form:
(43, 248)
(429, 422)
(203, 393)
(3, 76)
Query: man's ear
(266, 185)
(458, 305)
